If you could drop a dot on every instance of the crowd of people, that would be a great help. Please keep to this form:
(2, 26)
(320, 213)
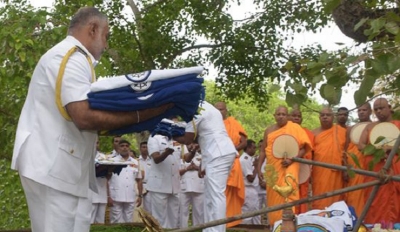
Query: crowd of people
(212, 166)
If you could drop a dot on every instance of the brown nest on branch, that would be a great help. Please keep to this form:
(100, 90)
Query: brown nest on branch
(351, 12)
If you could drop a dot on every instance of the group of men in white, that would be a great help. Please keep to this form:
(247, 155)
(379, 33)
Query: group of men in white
(165, 185)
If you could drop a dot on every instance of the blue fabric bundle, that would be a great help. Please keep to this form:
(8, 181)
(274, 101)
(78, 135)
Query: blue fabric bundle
(185, 91)
(169, 128)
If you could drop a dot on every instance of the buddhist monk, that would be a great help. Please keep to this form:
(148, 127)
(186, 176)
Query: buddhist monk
(282, 166)
(356, 198)
(386, 204)
(304, 188)
(235, 189)
(329, 142)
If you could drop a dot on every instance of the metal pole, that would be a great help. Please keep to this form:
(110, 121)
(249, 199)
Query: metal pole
(278, 207)
(345, 168)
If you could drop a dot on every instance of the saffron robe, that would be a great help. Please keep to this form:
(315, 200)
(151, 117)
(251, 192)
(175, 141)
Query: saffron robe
(273, 198)
(305, 187)
(328, 148)
(355, 198)
(386, 205)
(235, 189)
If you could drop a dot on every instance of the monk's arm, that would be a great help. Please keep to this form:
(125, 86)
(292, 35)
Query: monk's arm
(364, 138)
(243, 142)
(86, 118)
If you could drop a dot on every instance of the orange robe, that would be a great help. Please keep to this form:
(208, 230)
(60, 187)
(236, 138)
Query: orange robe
(328, 148)
(273, 198)
(304, 188)
(386, 204)
(355, 198)
(235, 189)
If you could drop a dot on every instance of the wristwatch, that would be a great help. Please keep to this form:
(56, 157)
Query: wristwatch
(140, 195)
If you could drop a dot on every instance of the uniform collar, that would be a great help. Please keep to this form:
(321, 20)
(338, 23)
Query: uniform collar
(76, 42)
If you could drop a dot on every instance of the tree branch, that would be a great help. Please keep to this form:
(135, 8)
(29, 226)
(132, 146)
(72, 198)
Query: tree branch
(198, 46)
(159, 2)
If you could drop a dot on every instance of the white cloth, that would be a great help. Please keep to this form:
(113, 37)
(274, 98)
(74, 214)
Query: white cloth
(163, 181)
(49, 149)
(218, 154)
(98, 213)
(314, 223)
(246, 162)
(217, 172)
(211, 133)
(251, 204)
(51, 210)
(146, 76)
(122, 191)
(165, 208)
(164, 177)
(122, 186)
(145, 165)
(122, 212)
(192, 194)
(338, 210)
(261, 190)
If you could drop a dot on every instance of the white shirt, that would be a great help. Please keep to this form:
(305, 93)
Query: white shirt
(164, 177)
(101, 182)
(123, 186)
(212, 136)
(190, 181)
(49, 149)
(145, 165)
(246, 161)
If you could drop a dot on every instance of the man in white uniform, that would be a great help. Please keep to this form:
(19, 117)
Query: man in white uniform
(218, 153)
(163, 181)
(54, 149)
(248, 163)
(192, 192)
(145, 164)
(122, 187)
(99, 200)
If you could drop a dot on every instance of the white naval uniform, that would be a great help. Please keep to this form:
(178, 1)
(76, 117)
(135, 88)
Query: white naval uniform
(163, 181)
(145, 165)
(192, 194)
(251, 202)
(55, 159)
(99, 200)
(218, 154)
(122, 191)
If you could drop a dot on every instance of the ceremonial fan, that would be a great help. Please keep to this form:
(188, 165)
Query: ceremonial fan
(356, 131)
(388, 130)
(285, 147)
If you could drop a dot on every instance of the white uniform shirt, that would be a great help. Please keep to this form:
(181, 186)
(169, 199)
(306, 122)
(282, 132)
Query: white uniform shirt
(164, 177)
(145, 165)
(49, 149)
(123, 186)
(190, 181)
(212, 136)
(246, 161)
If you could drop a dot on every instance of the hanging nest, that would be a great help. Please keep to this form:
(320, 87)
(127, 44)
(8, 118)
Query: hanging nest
(351, 12)
(150, 223)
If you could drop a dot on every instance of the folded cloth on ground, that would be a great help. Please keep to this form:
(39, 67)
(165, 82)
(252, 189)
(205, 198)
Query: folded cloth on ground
(146, 76)
(185, 91)
(169, 128)
(338, 210)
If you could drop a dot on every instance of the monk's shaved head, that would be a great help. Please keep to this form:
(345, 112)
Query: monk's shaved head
(383, 110)
(221, 106)
(280, 108)
(281, 116)
(326, 118)
(296, 116)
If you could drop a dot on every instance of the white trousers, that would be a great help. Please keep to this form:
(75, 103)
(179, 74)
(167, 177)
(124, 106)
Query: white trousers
(122, 212)
(262, 200)
(165, 208)
(217, 172)
(98, 213)
(147, 202)
(251, 203)
(51, 210)
(197, 202)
